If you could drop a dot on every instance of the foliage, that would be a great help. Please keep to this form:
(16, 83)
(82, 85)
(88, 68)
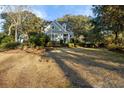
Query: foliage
(14, 17)
(49, 44)
(32, 23)
(79, 24)
(72, 40)
(4, 40)
(61, 42)
(111, 46)
(11, 45)
(29, 23)
(7, 39)
(38, 39)
(2, 35)
(109, 19)
(71, 45)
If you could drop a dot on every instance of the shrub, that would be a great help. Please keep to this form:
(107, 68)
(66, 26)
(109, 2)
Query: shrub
(7, 39)
(71, 45)
(81, 44)
(89, 44)
(61, 42)
(4, 40)
(72, 40)
(75, 41)
(44, 39)
(11, 45)
(112, 46)
(49, 44)
(2, 35)
(101, 45)
(32, 40)
(39, 39)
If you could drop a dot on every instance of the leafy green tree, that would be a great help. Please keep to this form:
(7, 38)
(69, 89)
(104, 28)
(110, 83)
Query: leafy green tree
(14, 15)
(79, 24)
(31, 23)
(110, 19)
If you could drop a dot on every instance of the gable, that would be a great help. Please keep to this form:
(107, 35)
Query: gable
(54, 26)
(57, 27)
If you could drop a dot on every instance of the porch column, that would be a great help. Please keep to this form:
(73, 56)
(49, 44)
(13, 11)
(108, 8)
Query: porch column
(51, 35)
(54, 37)
(68, 37)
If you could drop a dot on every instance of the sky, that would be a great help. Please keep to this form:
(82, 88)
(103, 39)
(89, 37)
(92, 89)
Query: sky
(52, 12)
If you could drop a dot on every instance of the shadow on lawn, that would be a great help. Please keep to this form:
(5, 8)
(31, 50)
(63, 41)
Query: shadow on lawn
(87, 61)
(74, 77)
(103, 54)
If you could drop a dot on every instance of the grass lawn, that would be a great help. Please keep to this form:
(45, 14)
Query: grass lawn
(62, 67)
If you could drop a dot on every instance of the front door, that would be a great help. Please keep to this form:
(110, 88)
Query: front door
(65, 38)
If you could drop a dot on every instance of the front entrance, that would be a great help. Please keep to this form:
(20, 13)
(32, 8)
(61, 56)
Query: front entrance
(65, 38)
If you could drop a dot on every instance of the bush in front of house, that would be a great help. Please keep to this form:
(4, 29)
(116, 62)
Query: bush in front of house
(72, 40)
(44, 39)
(113, 47)
(38, 39)
(77, 42)
(61, 42)
(89, 44)
(4, 40)
(2, 35)
(49, 44)
(71, 45)
(11, 45)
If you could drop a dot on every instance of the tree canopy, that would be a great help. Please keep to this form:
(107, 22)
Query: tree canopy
(109, 18)
(79, 24)
(30, 23)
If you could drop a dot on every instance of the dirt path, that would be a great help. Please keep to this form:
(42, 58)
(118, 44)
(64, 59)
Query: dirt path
(62, 67)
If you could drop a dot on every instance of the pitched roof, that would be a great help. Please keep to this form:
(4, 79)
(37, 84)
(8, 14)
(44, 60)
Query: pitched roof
(60, 25)
(61, 22)
(64, 22)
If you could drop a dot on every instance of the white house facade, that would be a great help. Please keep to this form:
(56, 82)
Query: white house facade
(58, 31)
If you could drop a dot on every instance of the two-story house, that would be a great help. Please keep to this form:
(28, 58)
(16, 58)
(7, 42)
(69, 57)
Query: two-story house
(58, 30)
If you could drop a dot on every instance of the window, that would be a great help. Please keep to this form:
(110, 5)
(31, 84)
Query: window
(52, 27)
(65, 34)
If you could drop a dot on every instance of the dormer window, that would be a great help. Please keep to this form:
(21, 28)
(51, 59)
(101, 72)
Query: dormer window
(52, 27)
(64, 25)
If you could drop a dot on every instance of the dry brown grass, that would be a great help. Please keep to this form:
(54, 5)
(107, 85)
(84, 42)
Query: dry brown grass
(62, 67)
(21, 69)
(92, 67)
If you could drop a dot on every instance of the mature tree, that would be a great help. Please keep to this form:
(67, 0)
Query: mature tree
(79, 24)
(110, 19)
(15, 16)
(30, 23)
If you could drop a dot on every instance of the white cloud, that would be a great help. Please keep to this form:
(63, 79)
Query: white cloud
(79, 10)
(41, 13)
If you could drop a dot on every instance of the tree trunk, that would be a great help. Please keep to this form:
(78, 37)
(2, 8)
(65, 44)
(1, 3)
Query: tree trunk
(12, 25)
(16, 34)
(116, 37)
